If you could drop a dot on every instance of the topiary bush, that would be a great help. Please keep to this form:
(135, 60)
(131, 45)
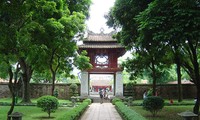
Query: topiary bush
(48, 104)
(153, 104)
(115, 100)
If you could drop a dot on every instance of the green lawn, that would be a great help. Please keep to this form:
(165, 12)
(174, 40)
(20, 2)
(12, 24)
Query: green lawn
(167, 113)
(33, 112)
(8, 100)
(184, 102)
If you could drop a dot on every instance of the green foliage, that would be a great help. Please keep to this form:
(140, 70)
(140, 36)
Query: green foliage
(55, 93)
(130, 84)
(39, 35)
(82, 61)
(127, 113)
(116, 100)
(150, 92)
(48, 104)
(73, 88)
(153, 104)
(89, 101)
(75, 113)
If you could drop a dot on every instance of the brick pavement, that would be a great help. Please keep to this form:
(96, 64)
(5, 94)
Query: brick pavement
(104, 111)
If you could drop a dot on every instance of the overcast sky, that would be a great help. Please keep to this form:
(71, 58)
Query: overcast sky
(97, 21)
(97, 11)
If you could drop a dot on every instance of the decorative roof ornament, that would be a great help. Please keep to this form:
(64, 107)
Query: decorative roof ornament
(101, 31)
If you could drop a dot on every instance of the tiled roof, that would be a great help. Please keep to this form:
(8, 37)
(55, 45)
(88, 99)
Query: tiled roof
(99, 45)
(100, 37)
(100, 40)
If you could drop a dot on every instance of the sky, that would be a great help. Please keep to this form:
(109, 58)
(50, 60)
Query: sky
(97, 11)
(97, 21)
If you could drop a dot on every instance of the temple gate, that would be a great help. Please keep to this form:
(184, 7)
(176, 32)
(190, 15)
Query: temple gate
(103, 52)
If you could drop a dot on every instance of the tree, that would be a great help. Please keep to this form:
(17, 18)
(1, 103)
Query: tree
(14, 76)
(176, 23)
(143, 30)
(11, 20)
(59, 33)
(153, 104)
(121, 16)
(40, 30)
(127, 11)
(48, 104)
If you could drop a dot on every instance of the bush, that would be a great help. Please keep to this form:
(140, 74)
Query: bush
(89, 101)
(115, 100)
(73, 87)
(75, 113)
(127, 113)
(153, 104)
(48, 104)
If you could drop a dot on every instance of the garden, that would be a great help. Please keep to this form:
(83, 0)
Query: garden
(62, 110)
(138, 111)
(38, 44)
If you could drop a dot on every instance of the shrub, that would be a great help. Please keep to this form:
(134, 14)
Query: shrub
(55, 93)
(153, 104)
(73, 87)
(127, 113)
(89, 101)
(48, 104)
(115, 100)
(150, 92)
(75, 113)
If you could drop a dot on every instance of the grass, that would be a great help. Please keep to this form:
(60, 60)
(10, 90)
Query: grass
(167, 113)
(8, 100)
(184, 102)
(33, 112)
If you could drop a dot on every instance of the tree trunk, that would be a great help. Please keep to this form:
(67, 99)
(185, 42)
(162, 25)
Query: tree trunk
(11, 107)
(26, 76)
(54, 71)
(178, 70)
(26, 96)
(53, 82)
(154, 77)
(196, 71)
(196, 106)
(14, 88)
(10, 85)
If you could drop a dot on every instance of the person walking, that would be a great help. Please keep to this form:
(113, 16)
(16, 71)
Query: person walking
(101, 96)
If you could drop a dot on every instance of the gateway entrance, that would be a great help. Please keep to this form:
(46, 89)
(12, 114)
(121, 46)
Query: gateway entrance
(103, 52)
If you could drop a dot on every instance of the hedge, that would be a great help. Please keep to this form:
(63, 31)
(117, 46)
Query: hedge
(126, 112)
(75, 113)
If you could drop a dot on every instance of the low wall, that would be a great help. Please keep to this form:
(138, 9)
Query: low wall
(166, 91)
(38, 90)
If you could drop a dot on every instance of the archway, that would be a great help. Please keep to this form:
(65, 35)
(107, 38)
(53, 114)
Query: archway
(103, 52)
(101, 81)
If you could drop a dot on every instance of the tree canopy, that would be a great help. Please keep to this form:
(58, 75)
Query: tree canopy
(39, 34)
(166, 31)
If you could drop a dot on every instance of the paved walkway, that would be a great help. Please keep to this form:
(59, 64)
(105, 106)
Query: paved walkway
(97, 111)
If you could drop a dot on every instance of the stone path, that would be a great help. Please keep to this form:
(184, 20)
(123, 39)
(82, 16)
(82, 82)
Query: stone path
(104, 111)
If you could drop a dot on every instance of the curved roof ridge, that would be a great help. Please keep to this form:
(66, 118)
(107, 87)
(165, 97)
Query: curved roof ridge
(100, 36)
